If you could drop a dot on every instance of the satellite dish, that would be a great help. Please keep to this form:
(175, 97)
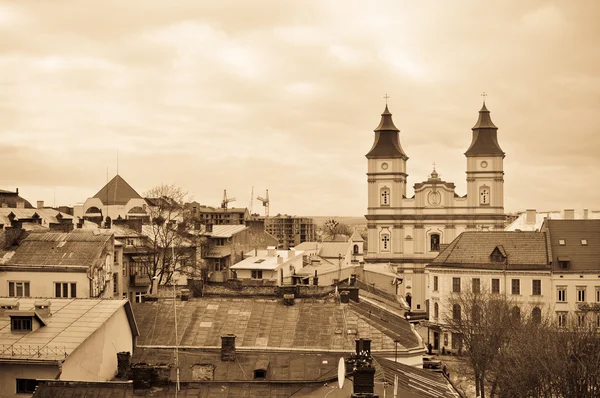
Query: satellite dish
(341, 372)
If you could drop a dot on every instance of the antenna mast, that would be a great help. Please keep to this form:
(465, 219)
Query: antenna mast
(251, 199)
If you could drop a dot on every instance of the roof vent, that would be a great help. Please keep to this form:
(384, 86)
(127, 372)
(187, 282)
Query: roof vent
(8, 305)
(42, 308)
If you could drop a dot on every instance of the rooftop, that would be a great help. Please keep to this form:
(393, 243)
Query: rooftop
(117, 192)
(47, 216)
(262, 261)
(575, 240)
(59, 249)
(310, 324)
(523, 250)
(222, 231)
(71, 323)
(532, 220)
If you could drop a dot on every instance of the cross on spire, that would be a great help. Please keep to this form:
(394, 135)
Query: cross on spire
(433, 166)
(483, 95)
(386, 98)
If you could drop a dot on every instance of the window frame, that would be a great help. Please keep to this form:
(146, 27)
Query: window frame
(534, 291)
(21, 324)
(385, 244)
(496, 281)
(515, 286)
(66, 289)
(385, 200)
(561, 319)
(478, 284)
(23, 386)
(456, 284)
(435, 246)
(561, 291)
(581, 293)
(25, 288)
(256, 274)
(435, 283)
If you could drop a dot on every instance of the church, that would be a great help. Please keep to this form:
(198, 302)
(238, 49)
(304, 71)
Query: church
(406, 233)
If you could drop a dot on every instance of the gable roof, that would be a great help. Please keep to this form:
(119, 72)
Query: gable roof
(59, 249)
(356, 237)
(117, 192)
(71, 323)
(523, 250)
(333, 249)
(582, 257)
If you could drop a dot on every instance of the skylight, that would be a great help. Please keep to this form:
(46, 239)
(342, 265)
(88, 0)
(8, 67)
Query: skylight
(260, 260)
(583, 242)
(562, 242)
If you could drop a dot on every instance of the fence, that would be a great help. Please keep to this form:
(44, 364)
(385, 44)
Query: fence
(32, 351)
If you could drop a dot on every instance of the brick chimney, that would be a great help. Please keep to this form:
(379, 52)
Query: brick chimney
(569, 214)
(364, 381)
(585, 214)
(40, 204)
(123, 363)
(228, 347)
(530, 216)
(363, 345)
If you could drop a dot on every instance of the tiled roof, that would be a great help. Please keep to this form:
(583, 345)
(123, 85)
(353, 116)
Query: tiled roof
(521, 224)
(582, 257)
(308, 324)
(117, 192)
(77, 248)
(524, 250)
(71, 323)
(47, 215)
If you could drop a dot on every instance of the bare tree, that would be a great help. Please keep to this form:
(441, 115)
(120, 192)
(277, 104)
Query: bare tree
(485, 323)
(169, 249)
(332, 228)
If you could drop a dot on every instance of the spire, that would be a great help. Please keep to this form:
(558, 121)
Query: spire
(485, 136)
(387, 143)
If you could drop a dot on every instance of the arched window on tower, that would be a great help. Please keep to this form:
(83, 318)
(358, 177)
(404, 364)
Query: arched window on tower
(385, 196)
(355, 249)
(434, 242)
(484, 195)
(385, 242)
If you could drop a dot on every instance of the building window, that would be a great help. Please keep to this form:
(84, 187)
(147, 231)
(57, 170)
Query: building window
(580, 294)
(139, 297)
(561, 295)
(219, 241)
(435, 283)
(456, 312)
(257, 274)
(65, 290)
(385, 242)
(456, 285)
(436, 311)
(18, 289)
(516, 286)
(476, 285)
(26, 386)
(434, 242)
(484, 195)
(562, 242)
(597, 320)
(561, 319)
(583, 242)
(385, 196)
(355, 249)
(495, 285)
(598, 294)
(516, 314)
(581, 319)
(115, 283)
(536, 287)
(20, 323)
(564, 264)
(456, 341)
(536, 315)
(219, 264)
(116, 258)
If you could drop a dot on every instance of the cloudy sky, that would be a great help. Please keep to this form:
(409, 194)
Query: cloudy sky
(284, 95)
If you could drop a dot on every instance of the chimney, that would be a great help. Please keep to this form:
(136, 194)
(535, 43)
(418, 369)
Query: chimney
(271, 251)
(569, 214)
(352, 279)
(291, 253)
(279, 260)
(364, 381)
(20, 204)
(363, 345)
(585, 214)
(155, 285)
(17, 191)
(123, 364)
(228, 347)
(40, 204)
(530, 216)
(8, 305)
(316, 279)
(42, 308)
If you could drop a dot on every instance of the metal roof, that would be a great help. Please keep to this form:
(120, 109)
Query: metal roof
(485, 137)
(117, 192)
(223, 231)
(387, 142)
(71, 323)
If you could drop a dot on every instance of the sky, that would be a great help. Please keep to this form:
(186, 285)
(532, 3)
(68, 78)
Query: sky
(284, 95)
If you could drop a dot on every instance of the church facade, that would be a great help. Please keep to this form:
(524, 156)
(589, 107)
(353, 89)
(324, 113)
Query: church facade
(408, 232)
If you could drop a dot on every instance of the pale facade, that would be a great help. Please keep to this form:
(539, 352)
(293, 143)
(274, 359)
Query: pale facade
(271, 264)
(408, 232)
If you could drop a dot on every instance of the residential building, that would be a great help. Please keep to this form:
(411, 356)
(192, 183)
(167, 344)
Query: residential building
(72, 339)
(330, 262)
(9, 199)
(408, 232)
(31, 219)
(532, 220)
(72, 264)
(574, 251)
(117, 199)
(218, 215)
(290, 231)
(225, 245)
(272, 265)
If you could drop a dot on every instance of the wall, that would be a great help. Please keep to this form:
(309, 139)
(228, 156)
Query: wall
(96, 358)
(42, 283)
(10, 373)
(302, 291)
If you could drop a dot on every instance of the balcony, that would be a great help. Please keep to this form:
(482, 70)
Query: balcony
(139, 280)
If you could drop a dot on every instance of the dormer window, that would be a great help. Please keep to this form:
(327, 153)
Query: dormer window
(498, 255)
(564, 262)
(20, 324)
